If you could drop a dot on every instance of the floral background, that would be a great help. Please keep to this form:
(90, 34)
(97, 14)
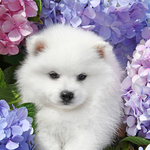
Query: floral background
(125, 24)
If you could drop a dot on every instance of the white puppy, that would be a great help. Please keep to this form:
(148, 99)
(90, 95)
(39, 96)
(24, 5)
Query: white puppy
(73, 78)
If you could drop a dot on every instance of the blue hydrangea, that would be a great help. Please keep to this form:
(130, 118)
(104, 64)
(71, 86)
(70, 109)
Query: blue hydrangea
(15, 128)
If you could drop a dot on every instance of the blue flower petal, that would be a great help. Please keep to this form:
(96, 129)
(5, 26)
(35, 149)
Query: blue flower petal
(95, 3)
(89, 12)
(23, 146)
(3, 123)
(16, 130)
(66, 13)
(4, 112)
(79, 8)
(12, 145)
(130, 33)
(17, 139)
(75, 21)
(146, 33)
(12, 118)
(22, 113)
(84, 1)
(25, 125)
(137, 11)
(123, 14)
(2, 134)
(45, 12)
(2, 147)
(48, 22)
(108, 20)
(30, 119)
(88, 27)
(8, 132)
(99, 17)
(4, 104)
(105, 32)
(117, 31)
(116, 24)
(140, 148)
(114, 38)
(85, 20)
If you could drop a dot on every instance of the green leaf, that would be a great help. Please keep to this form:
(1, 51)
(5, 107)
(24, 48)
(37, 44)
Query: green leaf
(2, 82)
(31, 112)
(9, 93)
(13, 59)
(124, 146)
(35, 19)
(9, 75)
(136, 140)
(38, 3)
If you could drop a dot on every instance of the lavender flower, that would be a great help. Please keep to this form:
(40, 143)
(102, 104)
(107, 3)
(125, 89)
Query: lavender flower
(15, 128)
(136, 92)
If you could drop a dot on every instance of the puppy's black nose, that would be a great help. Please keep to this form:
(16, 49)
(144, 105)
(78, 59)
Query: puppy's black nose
(66, 96)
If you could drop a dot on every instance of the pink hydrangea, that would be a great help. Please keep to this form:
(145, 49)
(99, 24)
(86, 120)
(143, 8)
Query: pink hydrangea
(136, 92)
(14, 26)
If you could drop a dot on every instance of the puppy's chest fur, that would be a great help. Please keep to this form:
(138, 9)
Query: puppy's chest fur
(62, 123)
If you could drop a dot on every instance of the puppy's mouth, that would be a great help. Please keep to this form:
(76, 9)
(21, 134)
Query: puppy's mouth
(66, 103)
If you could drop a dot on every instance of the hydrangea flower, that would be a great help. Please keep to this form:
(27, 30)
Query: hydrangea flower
(15, 128)
(136, 92)
(14, 26)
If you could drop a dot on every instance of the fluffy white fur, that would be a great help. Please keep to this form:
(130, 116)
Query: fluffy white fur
(91, 120)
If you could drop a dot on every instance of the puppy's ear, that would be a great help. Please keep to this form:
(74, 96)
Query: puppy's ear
(35, 44)
(103, 49)
(100, 48)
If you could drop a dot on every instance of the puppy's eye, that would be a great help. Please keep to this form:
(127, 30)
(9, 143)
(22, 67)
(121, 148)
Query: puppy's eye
(81, 77)
(54, 75)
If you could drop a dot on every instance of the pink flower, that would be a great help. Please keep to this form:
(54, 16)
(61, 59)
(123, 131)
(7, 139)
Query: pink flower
(3, 15)
(7, 47)
(13, 5)
(14, 26)
(3, 10)
(17, 28)
(30, 8)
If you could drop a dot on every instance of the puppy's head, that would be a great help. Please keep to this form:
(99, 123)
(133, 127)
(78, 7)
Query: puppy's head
(65, 67)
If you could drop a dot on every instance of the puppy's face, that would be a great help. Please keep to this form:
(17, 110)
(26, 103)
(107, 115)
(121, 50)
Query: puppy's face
(64, 80)
(63, 72)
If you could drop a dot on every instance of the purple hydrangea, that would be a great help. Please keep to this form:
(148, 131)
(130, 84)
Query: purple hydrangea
(136, 92)
(117, 21)
(15, 128)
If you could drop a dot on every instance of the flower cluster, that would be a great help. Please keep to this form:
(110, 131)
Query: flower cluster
(15, 128)
(122, 23)
(136, 92)
(14, 25)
